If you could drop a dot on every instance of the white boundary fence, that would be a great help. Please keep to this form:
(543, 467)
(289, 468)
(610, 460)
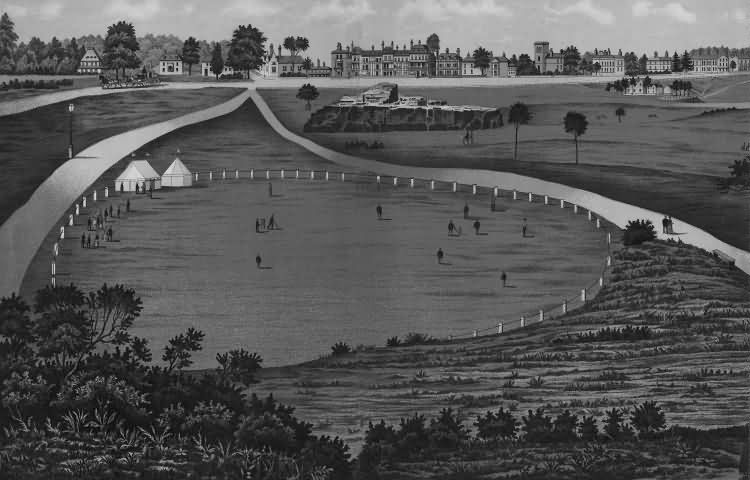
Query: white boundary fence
(502, 326)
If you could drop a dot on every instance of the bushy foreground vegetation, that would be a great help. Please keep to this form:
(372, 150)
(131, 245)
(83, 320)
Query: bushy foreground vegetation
(81, 398)
(27, 84)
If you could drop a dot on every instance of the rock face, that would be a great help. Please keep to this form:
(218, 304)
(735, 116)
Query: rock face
(376, 118)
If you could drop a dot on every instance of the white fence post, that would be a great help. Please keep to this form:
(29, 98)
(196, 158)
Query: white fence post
(236, 173)
(52, 281)
(515, 195)
(411, 183)
(62, 233)
(496, 191)
(84, 202)
(106, 192)
(196, 176)
(95, 195)
(531, 197)
(211, 175)
(499, 328)
(583, 295)
(377, 179)
(562, 203)
(296, 173)
(609, 260)
(56, 249)
(455, 187)
(523, 322)
(78, 209)
(432, 184)
(268, 174)
(541, 315)
(312, 174)
(546, 200)
(326, 175)
(224, 174)
(54, 269)
(395, 181)
(565, 306)
(598, 223)
(343, 177)
(609, 238)
(476, 334)
(575, 209)
(474, 189)
(601, 281)
(70, 220)
(590, 215)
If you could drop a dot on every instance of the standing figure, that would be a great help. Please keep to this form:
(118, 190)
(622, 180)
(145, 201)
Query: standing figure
(451, 227)
(127, 205)
(664, 224)
(110, 233)
(88, 224)
(271, 223)
(524, 228)
(83, 240)
(257, 225)
(670, 226)
(257, 261)
(263, 223)
(466, 210)
(270, 189)
(440, 255)
(110, 211)
(379, 211)
(504, 278)
(96, 241)
(476, 227)
(137, 189)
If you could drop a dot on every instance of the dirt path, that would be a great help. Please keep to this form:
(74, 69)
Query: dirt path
(616, 212)
(23, 233)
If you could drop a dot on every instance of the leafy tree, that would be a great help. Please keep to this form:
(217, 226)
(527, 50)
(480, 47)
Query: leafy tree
(740, 170)
(308, 93)
(16, 328)
(643, 65)
(481, 59)
(380, 433)
(301, 44)
(648, 419)
(412, 434)
(497, 425)
(8, 37)
(307, 65)
(191, 53)
(565, 427)
(620, 112)
(217, 60)
(571, 59)
(55, 49)
(181, 347)
(518, 115)
(632, 67)
(647, 82)
(597, 67)
(446, 431)
(120, 47)
(239, 366)
(588, 429)
(639, 231)
(333, 453)
(526, 65)
(686, 62)
(676, 63)
(613, 423)
(340, 348)
(246, 49)
(576, 124)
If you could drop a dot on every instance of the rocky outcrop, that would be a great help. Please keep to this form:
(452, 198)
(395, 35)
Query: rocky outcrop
(375, 118)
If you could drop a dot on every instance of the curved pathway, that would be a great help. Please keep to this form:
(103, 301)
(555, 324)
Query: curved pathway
(23, 233)
(616, 212)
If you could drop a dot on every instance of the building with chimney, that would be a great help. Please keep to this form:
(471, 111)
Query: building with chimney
(91, 63)
(448, 64)
(546, 60)
(609, 64)
(657, 64)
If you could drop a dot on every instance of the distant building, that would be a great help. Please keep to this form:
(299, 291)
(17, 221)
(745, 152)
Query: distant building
(319, 70)
(469, 68)
(708, 64)
(639, 89)
(270, 68)
(91, 62)
(206, 70)
(449, 64)
(657, 64)
(609, 65)
(499, 67)
(546, 60)
(171, 65)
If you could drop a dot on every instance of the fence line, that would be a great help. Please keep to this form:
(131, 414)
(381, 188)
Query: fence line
(267, 174)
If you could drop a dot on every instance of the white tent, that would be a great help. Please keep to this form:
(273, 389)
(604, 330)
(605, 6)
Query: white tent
(141, 173)
(177, 175)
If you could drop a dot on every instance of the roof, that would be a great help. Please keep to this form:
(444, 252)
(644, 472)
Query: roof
(171, 58)
(468, 58)
(177, 168)
(138, 170)
(290, 59)
(500, 59)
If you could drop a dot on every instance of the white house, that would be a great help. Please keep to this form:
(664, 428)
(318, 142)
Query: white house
(138, 173)
(270, 68)
(90, 63)
(171, 65)
(206, 70)
(638, 89)
(177, 175)
(609, 65)
(468, 69)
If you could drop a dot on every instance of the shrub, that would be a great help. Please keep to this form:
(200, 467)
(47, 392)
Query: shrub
(537, 427)
(393, 342)
(412, 434)
(536, 382)
(446, 431)
(413, 338)
(239, 366)
(341, 348)
(588, 429)
(565, 427)
(265, 431)
(497, 425)
(648, 419)
(639, 231)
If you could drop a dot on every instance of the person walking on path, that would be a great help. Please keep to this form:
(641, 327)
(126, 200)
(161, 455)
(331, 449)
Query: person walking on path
(83, 240)
(524, 228)
(476, 226)
(504, 278)
(270, 190)
(96, 241)
(127, 205)
(137, 189)
(88, 224)
(110, 211)
(440, 255)
(379, 211)
(88, 241)
(118, 211)
(466, 210)
(451, 227)
(664, 225)
(670, 225)
(257, 261)
(257, 225)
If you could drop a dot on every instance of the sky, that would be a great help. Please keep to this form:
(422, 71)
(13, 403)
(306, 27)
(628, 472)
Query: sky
(510, 26)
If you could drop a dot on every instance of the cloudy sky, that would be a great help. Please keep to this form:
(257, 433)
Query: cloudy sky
(499, 25)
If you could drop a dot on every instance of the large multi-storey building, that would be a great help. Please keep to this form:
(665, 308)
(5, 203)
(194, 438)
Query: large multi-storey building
(657, 64)
(449, 64)
(609, 64)
(418, 60)
(90, 63)
(546, 60)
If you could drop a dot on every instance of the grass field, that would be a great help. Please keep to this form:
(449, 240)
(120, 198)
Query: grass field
(35, 143)
(662, 157)
(333, 264)
(693, 362)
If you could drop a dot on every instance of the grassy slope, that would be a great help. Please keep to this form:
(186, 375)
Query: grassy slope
(696, 306)
(10, 95)
(663, 158)
(35, 143)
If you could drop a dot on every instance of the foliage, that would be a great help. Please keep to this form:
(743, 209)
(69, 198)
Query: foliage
(393, 342)
(308, 93)
(537, 427)
(191, 53)
(238, 366)
(446, 431)
(518, 115)
(180, 348)
(217, 60)
(340, 348)
(500, 425)
(120, 47)
(576, 124)
(413, 338)
(246, 49)
(639, 231)
(648, 419)
(481, 59)
(628, 333)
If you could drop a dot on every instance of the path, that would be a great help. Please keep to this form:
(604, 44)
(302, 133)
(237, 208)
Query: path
(23, 233)
(616, 212)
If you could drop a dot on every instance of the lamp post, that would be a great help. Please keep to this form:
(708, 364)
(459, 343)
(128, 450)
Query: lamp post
(71, 108)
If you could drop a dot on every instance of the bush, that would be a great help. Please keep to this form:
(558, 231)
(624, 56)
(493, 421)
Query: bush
(340, 348)
(500, 425)
(639, 231)
(393, 342)
(588, 429)
(565, 427)
(648, 419)
(537, 427)
(446, 431)
(417, 339)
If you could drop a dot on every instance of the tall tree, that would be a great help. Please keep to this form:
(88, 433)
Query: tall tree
(676, 62)
(643, 65)
(217, 60)
(481, 59)
(191, 53)
(290, 43)
(308, 93)
(620, 112)
(8, 37)
(571, 59)
(576, 124)
(518, 115)
(597, 66)
(247, 48)
(120, 47)
(307, 65)
(686, 62)
(55, 49)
